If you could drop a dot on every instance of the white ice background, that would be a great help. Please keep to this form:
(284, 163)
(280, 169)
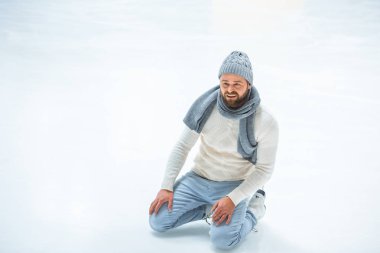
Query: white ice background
(92, 97)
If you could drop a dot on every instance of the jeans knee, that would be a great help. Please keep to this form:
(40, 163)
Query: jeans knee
(224, 241)
(157, 224)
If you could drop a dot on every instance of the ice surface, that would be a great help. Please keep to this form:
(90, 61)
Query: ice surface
(92, 96)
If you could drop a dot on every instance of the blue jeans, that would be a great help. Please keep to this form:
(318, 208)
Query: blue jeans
(192, 194)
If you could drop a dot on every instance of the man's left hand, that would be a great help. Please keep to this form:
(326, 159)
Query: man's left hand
(222, 210)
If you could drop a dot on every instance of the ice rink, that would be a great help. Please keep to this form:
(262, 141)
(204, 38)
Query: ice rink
(92, 97)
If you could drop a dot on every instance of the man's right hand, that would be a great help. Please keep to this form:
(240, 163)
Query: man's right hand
(162, 197)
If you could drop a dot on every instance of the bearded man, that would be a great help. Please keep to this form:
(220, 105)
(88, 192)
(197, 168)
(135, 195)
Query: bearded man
(238, 144)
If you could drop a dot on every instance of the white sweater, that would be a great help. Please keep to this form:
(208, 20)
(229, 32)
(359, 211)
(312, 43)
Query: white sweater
(218, 158)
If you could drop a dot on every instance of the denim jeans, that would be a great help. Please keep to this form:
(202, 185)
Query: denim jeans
(192, 194)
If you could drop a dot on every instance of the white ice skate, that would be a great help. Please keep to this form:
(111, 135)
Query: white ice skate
(256, 204)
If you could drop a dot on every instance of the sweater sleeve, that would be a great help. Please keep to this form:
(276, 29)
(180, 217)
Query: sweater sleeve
(262, 171)
(178, 157)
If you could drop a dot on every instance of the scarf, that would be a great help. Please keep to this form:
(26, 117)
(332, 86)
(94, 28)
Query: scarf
(201, 110)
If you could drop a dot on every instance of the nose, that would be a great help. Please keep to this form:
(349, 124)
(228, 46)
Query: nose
(230, 89)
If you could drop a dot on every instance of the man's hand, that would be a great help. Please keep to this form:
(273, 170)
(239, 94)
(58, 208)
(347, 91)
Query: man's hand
(162, 197)
(223, 209)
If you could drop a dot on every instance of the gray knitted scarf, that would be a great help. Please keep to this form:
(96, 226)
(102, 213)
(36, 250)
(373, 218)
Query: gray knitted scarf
(201, 110)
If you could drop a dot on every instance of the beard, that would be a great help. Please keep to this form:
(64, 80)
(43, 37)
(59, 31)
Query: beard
(237, 101)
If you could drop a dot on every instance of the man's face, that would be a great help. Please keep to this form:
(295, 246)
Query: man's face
(234, 89)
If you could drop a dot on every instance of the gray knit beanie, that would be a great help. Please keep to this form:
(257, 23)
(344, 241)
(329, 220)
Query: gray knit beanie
(237, 63)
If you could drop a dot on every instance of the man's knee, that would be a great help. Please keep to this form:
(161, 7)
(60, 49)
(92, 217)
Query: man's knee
(223, 239)
(158, 223)
(163, 220)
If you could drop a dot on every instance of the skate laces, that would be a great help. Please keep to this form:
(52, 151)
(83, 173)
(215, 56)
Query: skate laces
(209, 221)
(208, 218)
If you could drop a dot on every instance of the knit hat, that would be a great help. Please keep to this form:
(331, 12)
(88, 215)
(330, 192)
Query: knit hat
(237, 63)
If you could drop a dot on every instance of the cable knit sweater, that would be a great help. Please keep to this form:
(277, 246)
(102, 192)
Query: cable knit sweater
(218, 158)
